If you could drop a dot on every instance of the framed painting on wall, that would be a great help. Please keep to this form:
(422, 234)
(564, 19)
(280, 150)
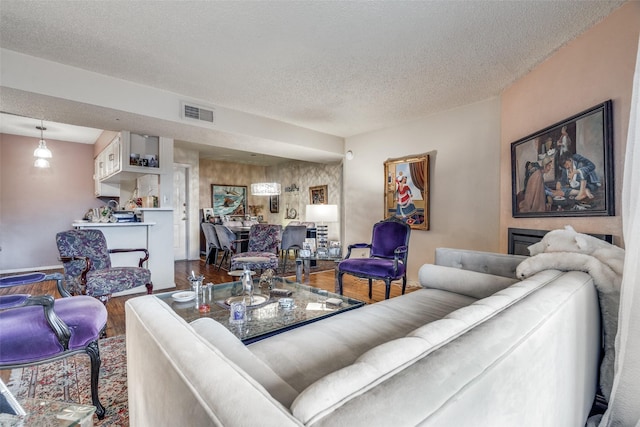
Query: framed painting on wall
(406, 194)
(274, 204)
(565, 169)
(318, 195)
(229, 199)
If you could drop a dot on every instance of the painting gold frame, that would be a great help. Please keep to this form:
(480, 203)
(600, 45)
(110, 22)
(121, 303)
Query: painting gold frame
(406, 190)
(318, 195)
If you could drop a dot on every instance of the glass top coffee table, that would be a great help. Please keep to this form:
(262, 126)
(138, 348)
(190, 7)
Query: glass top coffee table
(267, 317)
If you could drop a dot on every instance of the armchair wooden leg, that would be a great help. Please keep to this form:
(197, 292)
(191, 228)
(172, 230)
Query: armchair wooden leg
(387, 290)
(94, 354)
(370, 290)
(149, 287)
(404, 284)
(338, 287)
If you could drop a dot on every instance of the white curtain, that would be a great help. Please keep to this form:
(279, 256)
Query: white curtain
(624, 407)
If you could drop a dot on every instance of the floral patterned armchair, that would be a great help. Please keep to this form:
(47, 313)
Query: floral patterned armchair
(264, 244)
(87, 265)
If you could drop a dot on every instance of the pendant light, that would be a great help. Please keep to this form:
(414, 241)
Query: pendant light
(265, 189)
(42, 153)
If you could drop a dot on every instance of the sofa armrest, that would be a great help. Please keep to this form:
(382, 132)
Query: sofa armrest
(481, 262)
(463, 282)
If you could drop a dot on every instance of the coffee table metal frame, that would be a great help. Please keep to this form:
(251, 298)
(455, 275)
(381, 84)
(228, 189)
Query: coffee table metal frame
(268, 318)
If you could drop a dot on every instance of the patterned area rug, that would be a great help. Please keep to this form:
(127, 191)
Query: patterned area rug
(69, 380)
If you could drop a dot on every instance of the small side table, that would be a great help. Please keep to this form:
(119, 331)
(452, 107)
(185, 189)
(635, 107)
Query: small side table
(303, 266)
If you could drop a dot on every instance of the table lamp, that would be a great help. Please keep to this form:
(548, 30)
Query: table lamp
(321, 214)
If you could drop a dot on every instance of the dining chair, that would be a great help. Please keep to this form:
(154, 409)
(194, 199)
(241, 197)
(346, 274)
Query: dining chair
(36, 329)
(387, 261)
(292, 239)
(229, 243)
(212, 243)
(264, 243)
(87, 265)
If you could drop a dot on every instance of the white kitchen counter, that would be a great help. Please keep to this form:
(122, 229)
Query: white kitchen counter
(86, 224)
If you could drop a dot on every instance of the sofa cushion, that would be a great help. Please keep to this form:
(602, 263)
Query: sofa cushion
(237, 352)
(383, 361)
(323, 347)
(464, 282)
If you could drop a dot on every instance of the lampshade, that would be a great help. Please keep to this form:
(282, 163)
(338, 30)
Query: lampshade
(42, 151)
(322, 213)
(265, 189)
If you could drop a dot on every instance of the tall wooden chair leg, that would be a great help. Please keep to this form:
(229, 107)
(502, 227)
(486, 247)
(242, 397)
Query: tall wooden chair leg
(94, 354)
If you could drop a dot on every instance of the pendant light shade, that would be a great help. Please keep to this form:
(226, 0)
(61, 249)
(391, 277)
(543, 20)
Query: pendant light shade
(265, 189)
(42, 153)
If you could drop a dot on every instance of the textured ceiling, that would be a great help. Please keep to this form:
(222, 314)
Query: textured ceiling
(338, 67)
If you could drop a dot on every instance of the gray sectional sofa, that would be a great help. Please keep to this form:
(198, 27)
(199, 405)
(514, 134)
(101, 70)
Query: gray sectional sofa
(474, 347)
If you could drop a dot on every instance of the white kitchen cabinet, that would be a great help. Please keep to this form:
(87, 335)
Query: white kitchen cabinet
(132, 155)
(103, 189)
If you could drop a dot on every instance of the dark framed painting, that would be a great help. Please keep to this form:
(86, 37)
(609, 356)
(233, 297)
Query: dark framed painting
(229, 199)
(274, 204)
(318, 195)
(406, 194)
(566, 169)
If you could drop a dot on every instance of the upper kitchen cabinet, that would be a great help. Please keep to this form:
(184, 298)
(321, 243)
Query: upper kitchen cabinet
(130, 155)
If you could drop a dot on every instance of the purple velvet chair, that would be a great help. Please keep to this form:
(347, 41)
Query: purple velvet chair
(388, 252)
(264, 244)
(39, 329)
(87, 265)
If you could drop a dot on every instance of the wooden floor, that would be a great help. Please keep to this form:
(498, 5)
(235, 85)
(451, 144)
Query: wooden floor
(353, 287)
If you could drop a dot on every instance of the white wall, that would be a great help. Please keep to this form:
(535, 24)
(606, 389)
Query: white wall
(464, 145)
(191, 160)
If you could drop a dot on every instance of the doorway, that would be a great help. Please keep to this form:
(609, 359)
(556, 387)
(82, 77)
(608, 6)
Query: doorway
(180, 212)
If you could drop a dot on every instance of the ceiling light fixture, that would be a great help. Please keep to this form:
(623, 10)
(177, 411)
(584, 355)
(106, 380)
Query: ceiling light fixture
(265, 189)
(42, 153)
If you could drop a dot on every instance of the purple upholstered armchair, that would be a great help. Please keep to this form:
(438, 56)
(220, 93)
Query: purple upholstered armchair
(387, 260)
(264, 243)
(87, 265)
(39, 329)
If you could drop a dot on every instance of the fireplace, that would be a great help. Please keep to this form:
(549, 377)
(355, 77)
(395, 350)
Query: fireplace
(520, 239)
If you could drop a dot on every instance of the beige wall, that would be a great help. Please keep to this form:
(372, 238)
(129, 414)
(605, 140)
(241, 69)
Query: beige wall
(35, 203)
(305, 175)
(464, 149)
(227, 173)
(591, 69)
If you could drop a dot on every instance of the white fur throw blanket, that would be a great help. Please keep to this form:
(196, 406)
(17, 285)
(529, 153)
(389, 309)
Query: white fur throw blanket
(568, 250)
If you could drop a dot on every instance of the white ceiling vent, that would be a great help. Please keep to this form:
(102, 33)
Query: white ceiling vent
(190, 111)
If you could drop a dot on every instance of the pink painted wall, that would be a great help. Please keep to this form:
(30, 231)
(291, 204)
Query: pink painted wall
(37, 203)
(591, 69)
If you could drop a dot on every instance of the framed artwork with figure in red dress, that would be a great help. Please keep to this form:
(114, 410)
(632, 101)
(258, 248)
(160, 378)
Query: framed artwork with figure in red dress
(406, 194)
